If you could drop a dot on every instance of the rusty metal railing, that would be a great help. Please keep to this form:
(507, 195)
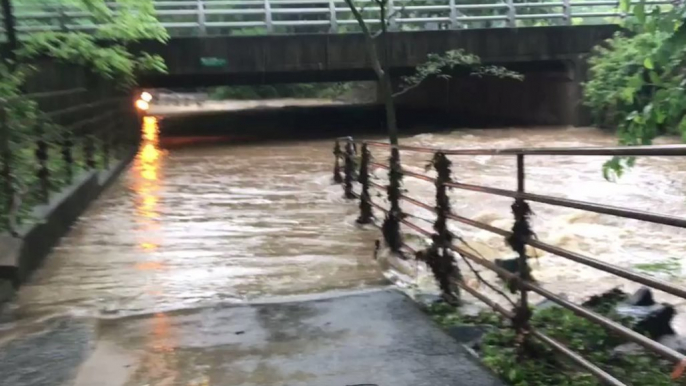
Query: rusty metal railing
(521, 279)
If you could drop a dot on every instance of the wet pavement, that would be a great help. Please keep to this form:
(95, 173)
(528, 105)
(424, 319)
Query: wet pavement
(377, 337)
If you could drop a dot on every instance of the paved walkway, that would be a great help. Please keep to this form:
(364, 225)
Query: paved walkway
(370, 338)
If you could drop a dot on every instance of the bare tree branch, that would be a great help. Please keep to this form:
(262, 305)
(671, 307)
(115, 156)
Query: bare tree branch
(414, 86)
(369, 41)
(478, 275)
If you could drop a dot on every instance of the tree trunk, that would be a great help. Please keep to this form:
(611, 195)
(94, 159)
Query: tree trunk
(389, 104)
(380, 69)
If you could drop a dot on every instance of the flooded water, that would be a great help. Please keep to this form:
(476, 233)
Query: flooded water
(190, 225)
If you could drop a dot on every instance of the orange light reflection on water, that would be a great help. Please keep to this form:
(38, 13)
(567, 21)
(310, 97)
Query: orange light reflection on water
(160, 361)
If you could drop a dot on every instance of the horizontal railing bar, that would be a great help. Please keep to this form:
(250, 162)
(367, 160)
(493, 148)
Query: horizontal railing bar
(538, 5)
(583, 205)
(416, 228)
(284, 11)
(481, 18)
(368, 21)
(661, 150)
(301, 23)
(237, 24)
(541, 16)
(557, 346)
(81, 107)
(579, 258)
(576, 257)
(422, 20)
(481, 6)
(625, 332)
(426, 8)
(181, 25)
(556, 201)
(609, 268)
(596, 14)
(46, 94)
(599, 373)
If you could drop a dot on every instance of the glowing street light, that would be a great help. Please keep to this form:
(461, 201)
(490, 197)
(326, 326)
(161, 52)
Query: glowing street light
(146, 96)
(142, 105)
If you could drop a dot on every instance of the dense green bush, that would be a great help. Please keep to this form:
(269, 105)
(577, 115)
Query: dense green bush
(638, 80)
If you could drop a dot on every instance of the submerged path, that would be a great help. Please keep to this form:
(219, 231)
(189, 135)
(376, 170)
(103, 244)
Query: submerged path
(379, 337)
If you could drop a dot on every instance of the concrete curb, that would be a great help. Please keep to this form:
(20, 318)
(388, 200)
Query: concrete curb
(19, 257)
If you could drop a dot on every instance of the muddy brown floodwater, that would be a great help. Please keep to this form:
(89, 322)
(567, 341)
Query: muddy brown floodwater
(195, 225)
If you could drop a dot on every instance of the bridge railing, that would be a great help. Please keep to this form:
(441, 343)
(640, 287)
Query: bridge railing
(441, 258)
(245, 17)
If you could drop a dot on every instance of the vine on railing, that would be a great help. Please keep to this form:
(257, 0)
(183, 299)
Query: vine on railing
(521, 234)
(391, 225)
(366, 214)
(439, 256)
(349, 169)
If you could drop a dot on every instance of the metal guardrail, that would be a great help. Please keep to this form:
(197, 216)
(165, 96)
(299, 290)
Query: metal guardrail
(521, 196)
(83, 131)
(224, 17)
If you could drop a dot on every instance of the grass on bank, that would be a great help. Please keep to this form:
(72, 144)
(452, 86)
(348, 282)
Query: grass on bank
(541, 366)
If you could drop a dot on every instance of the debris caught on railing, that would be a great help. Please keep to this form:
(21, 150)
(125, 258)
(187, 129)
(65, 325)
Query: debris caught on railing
(337, 153)
(366, 214)
(349, 170)
(391, 225)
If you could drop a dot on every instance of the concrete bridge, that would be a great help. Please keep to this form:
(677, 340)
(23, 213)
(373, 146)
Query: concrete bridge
(211, 61)
(551, 58)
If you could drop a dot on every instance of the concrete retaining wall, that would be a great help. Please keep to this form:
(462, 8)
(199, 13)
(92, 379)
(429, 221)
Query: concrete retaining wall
(19, 257)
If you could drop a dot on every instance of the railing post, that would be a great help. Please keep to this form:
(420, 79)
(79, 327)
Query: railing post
(349, 169)
(333, 20)
(521, 234)
(63, 18)
(511, 14)
(366, 214)
(201, 18)
(268, 16)
(89, 150)
(391, 225)
(6, 158)
(67, 144)
(392, 22)
(107, 142)
(10, 29)
(337, 154)
(453, 16)
(567, 10)
(42, 158)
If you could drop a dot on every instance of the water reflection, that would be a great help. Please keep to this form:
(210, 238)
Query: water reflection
(159, 361)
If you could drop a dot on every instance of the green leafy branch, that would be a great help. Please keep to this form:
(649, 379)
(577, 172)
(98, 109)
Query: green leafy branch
(440, 66)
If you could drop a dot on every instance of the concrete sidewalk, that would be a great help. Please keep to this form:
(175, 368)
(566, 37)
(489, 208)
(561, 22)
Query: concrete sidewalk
(373, 338)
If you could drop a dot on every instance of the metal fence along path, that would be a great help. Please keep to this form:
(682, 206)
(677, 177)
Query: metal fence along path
(441, 255)
(250, 17)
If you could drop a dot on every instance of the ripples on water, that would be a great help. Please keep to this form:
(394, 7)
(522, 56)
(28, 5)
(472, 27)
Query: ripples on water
(188, 226)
